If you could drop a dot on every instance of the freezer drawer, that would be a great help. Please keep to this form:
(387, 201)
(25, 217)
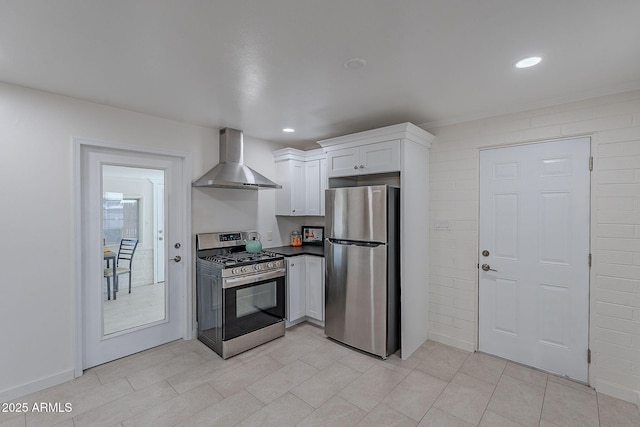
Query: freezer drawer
(356, 301)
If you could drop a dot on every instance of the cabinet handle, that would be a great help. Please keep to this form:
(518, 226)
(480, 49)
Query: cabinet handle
(361, 167)
(355, 167)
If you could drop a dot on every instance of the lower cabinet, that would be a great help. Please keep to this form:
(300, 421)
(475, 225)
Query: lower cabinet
(315, 287)
(296, 288)
(305, 288)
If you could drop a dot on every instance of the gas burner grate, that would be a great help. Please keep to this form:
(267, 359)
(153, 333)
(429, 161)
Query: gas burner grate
(242, 258)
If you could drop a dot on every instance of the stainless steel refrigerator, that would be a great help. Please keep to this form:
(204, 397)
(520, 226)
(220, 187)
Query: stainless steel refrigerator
(362, 254)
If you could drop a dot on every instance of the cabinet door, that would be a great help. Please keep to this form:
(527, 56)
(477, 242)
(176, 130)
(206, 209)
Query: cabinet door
(296, 174)
(315, 287)
(324, 184)
(290, 199)
(312, 193)
(296, 288)
(343, 162)
(380, 157)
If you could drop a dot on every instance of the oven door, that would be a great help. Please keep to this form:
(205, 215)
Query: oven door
(252, 302)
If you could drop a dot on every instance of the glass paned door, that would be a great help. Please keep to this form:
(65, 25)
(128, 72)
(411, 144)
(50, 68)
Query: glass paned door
(119, 238)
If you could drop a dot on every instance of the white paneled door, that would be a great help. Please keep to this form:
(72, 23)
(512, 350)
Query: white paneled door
(534, 255)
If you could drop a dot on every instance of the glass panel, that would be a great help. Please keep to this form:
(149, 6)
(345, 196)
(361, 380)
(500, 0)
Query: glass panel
(134, 292)
(256, 298)
(120, 218)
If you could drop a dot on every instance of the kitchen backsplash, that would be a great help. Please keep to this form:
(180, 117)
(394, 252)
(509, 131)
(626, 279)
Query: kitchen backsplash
(286, 224)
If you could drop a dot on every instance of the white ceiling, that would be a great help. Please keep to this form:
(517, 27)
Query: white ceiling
(261, 65)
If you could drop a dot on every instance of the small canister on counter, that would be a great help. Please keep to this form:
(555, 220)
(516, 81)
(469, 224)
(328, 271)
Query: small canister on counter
(296, 238)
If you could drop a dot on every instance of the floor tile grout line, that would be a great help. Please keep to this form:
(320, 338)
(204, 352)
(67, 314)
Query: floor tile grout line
(495, 387)
(544, 398)
(440, 394)
(598, 409)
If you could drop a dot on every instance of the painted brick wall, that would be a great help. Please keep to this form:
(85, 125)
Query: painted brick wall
(613, 122)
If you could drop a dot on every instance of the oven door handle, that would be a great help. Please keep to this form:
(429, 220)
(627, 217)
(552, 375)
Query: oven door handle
(245, 280)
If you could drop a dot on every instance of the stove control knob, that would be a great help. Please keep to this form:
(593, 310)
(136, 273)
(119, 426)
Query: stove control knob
(245, 269)
(235, 270)
(269, 265)
(257, 267)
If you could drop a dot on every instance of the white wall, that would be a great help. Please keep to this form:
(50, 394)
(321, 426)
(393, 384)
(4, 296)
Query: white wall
(36, 223)
(613, 122)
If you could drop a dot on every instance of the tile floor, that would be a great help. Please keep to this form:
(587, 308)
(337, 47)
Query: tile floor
(304, 379)
(144, 305)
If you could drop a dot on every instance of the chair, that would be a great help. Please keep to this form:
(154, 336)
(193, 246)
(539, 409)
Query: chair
(125, 253)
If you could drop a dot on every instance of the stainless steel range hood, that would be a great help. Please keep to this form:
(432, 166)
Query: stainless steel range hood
(231, 172)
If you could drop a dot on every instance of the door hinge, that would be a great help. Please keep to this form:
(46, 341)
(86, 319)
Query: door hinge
(591, 163)
(588, 355)
(590, 258)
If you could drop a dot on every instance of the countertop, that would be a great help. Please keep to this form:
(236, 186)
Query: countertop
(288, 251)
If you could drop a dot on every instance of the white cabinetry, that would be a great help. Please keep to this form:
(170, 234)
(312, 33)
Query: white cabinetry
(305, 288)
(315, 287)
(324, 183)
(402, 148)
(302, 175)
(296, 288)
(312, 188)
(366, 159)
(290, 199)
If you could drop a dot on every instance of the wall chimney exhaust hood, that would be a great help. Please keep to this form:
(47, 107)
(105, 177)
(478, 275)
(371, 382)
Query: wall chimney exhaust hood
(231, 172)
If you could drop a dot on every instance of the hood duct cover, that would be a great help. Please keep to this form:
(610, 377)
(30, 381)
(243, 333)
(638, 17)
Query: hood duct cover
(231, 172)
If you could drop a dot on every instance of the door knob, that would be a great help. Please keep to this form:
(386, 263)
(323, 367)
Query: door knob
(485, 253)
(487, 267)
(177, 258)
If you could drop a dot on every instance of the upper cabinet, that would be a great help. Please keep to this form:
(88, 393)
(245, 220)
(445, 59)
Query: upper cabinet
(303, 177)
(366, 159)
(290, 199)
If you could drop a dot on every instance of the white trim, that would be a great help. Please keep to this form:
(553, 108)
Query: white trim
(618, 391)
(406, 130)
(185, 157)
(295, 154)
(450, 341)
(34, 386)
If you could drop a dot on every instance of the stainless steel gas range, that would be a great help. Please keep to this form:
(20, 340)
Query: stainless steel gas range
(240, 295)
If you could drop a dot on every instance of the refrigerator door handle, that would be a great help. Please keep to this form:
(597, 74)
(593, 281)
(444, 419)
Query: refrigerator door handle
(352, 243)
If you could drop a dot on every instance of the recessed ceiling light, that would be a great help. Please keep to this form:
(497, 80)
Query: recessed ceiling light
(528, 62)
(288, 130)
(355, 63)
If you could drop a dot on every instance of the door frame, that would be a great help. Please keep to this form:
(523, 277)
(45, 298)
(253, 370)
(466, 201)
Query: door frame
(80, 144)
(593, 178)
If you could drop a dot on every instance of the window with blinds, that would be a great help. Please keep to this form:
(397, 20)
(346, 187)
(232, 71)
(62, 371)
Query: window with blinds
(121, 220)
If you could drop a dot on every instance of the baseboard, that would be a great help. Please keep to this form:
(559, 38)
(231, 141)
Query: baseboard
(304, 319)
(295, 322)
(617, 391)
(453, 342)
(32, 387)
(315, 322)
